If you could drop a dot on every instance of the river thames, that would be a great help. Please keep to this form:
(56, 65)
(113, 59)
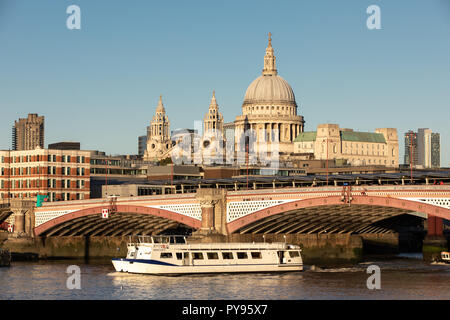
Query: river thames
(402, 277)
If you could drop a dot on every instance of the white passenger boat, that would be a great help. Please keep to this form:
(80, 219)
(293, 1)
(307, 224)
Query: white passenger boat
(173, 255)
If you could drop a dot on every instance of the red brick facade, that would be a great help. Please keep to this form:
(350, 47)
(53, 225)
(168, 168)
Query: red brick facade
(60, 174)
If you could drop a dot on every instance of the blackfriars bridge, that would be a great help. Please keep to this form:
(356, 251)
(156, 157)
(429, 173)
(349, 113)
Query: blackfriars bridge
(341, 210)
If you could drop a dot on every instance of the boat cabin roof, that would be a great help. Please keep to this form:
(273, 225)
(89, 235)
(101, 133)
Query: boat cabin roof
(181, 243)
(165, 239)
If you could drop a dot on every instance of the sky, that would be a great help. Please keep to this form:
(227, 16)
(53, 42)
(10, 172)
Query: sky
(100, 84)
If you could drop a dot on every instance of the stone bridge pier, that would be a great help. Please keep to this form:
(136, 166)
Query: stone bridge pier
(213, 203)
(23, 213)
(435, 241)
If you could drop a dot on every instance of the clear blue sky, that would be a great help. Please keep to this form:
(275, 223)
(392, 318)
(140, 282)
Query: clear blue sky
(100, 85)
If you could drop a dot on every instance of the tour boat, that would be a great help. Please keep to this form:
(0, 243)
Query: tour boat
(445, 256)
(174, 255)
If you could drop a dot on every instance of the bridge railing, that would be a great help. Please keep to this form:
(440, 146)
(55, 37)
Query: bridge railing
(339, 189)
(101, 201)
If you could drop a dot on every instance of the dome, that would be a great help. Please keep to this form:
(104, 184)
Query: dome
(268, 89)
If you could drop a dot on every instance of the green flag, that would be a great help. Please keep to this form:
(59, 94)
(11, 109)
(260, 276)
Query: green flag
(40, 198)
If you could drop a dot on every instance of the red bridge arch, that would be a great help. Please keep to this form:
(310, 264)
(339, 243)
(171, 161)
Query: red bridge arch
(191, 222)
(429, 209)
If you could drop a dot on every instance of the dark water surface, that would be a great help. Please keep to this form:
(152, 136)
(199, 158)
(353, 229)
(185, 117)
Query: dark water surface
(403, 277)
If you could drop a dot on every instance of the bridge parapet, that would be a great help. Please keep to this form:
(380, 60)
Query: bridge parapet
(371, 188)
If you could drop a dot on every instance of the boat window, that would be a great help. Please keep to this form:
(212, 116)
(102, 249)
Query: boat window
(186, 255)
(166, 255)
(294, 254)
(227, 255)
(256, 255)
(212, 255)
(179, 255)
(197, 255)
(242, 255)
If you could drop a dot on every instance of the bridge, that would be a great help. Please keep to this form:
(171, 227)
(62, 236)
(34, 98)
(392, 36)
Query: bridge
(288, 210)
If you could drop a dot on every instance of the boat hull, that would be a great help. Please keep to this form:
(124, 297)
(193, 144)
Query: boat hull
(158, 268)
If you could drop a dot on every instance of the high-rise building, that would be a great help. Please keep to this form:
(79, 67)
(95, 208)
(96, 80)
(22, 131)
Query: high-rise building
(28, 133)
(142, 145)
(435, 150)
(424, 146)
(411, 148)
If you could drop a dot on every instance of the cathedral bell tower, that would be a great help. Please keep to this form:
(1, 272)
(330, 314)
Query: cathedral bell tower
(213, 138)
(159, 143)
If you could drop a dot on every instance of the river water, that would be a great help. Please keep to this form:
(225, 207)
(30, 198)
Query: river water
(401, 277)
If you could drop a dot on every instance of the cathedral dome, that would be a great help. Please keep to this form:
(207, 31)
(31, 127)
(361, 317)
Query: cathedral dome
(269, 89)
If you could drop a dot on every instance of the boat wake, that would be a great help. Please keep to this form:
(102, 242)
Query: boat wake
(314, 268)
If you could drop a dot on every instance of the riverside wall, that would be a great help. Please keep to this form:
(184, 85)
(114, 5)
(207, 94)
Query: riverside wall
(317, 249)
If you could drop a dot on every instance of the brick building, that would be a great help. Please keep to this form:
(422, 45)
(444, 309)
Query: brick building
(60, 174)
